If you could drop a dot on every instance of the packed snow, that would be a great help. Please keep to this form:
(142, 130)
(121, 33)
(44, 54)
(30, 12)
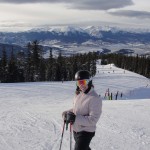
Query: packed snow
(30, 113)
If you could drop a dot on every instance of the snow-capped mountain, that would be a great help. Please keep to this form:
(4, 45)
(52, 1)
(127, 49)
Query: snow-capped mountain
(58, 29)
(82, 39)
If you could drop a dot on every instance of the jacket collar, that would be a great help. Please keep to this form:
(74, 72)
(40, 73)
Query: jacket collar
(89, 90)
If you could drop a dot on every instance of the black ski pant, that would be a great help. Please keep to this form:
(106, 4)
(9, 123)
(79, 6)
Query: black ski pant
(82, 140)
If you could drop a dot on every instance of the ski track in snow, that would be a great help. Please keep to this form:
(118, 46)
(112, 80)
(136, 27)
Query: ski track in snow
(30, 113)
(125, 128)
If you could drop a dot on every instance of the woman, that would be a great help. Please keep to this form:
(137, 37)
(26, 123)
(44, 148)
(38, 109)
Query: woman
(86, 111)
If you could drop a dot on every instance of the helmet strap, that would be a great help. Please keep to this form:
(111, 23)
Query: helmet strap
(88, 89)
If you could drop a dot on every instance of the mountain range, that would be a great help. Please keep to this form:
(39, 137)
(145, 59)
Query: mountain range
(73, 39)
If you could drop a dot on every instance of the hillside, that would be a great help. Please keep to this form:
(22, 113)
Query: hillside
(131, 85)
(30, 113)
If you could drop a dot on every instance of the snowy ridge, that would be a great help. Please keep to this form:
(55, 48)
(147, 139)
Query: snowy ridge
(103, 26)
(30, 113)
(92, 30)
(58, 29)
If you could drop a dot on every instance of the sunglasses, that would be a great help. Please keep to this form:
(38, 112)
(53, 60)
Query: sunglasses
(82, 82)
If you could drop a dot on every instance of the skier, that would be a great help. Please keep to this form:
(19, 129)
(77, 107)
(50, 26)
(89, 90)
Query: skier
(86, 111)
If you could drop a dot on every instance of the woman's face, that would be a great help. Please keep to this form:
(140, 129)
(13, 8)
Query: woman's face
(83, 88)
(83, 85)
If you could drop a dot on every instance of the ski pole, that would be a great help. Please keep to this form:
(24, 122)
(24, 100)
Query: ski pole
(70, 136)
(62, 135)
(67, 125)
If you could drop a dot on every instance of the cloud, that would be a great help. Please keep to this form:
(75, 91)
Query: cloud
(80, 4)
(132, 13)
(101, 4)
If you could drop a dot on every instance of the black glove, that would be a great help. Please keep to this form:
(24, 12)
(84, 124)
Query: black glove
(70, 117)
(64, 115)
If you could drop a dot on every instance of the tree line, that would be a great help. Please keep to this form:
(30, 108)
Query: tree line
(137, 64)
(33, 66)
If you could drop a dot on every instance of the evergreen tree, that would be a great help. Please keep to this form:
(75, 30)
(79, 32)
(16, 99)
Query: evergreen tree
(29, 68)
(12, 69)
(21, 66)
(49, 67)
(93, 64)
(35, 51)
(42, 70)
(3, 70)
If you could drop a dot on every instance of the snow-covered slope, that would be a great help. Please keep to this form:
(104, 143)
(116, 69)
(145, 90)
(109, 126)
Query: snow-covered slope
(131, 85)
(30, 113)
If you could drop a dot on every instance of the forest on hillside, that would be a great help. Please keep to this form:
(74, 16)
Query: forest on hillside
(32, 67)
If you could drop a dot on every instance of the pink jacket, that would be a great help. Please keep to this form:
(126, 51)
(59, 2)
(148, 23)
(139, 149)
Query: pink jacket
(87, 108)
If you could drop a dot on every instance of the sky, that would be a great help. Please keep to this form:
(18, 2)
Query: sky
(89, 12)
